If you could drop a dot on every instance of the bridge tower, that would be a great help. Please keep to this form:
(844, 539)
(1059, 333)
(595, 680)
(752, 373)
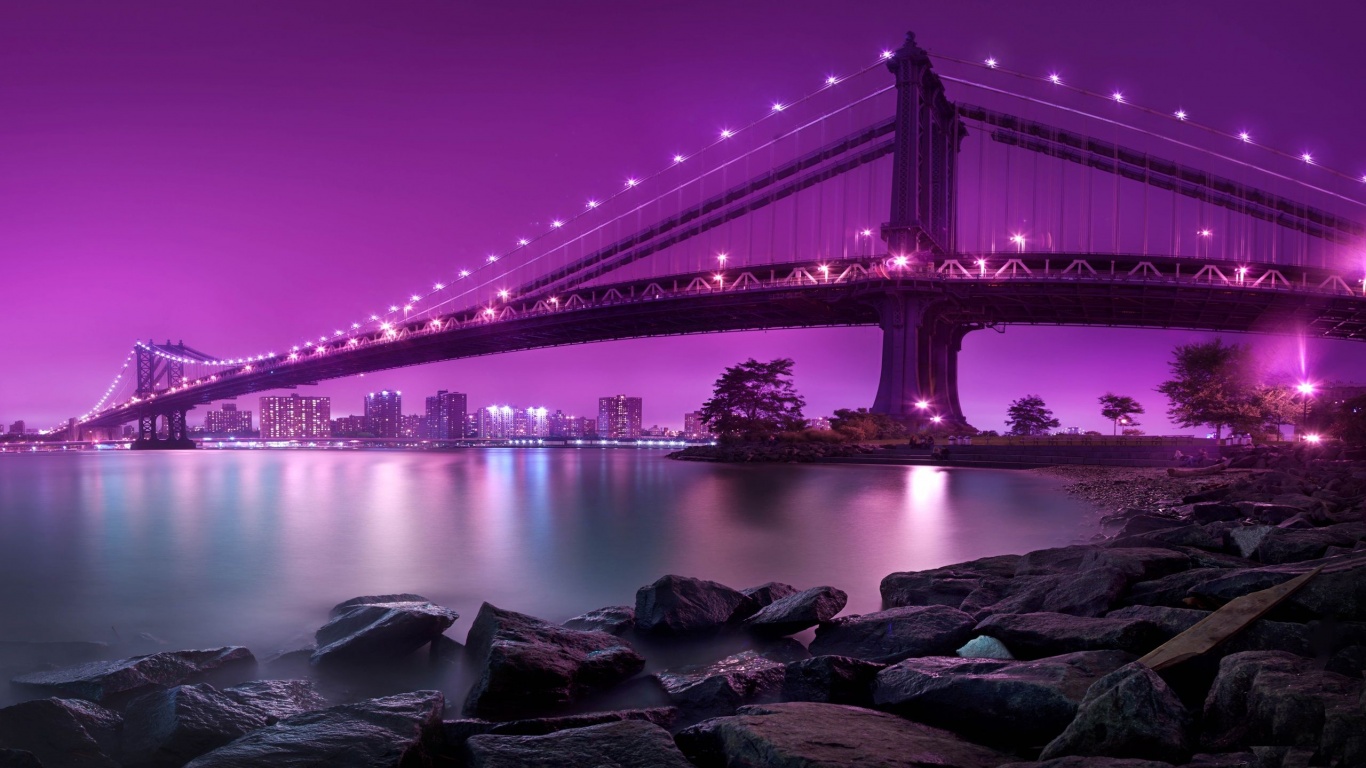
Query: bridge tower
(920, 342)
(155, 370)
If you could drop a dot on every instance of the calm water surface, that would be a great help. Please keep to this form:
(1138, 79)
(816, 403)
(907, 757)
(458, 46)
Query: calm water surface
(208, 548)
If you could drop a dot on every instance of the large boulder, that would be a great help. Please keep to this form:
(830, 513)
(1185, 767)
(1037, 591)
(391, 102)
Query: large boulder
(166, 729)
(1036, 635)
(626, 743)
(1128, 713)
(278, 699)
(679, 605)
(62, 733)
(1004, 702)
(709, 690)
(949, 585)
(1285, 545)
(370, 632)
(768, 593)
(1278, 699)
(1083, 593)
(1172, 591)
(794, 613)
(401, 597)
(375, 733)
(529, 666)
(1339, 591)
(1136, 563)
(894, 634)
(457, 732)
(799, 734)
(118, 681)
(831, 680)
(614, 620)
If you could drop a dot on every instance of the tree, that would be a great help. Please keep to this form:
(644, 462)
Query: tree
(754, 401)
(1277, 405)
(1029, 416)
(861, 424)
(1212, 383)
(1115, 407)
(1349, 422)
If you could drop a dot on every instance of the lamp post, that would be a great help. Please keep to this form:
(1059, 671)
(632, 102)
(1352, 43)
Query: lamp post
(1306, 390)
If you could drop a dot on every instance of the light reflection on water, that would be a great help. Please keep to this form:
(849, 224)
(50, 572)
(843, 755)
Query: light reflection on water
(209, 548)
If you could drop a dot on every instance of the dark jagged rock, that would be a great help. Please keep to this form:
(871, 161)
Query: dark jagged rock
(166, 729)
(1141, 524)
(831, 680)
(1348, 662)
(768, 593)
(278, 699)
(1292, 546)
(346, 605)
(627, 743)
(1136, 563)
(458, 731)
(529, 666)
(1092, 762)
(444, 650)
(62, 733)
(1212, 537)
(783, 650)
(709, 690)
(679, 605)
(1169, 621)
(811, 734)
(614, 620)
(18, 758)
(371, 632)
(1036, 635)
(103, 681)
(1339, 591)
(375, 733)
(1273, 698)
(1173, 590)
(1214, 512)
(1084, 593)
(945, 586)
(796, 612)
(894, 634)
(1000, 702)
(1128, 713)
(1224, 760)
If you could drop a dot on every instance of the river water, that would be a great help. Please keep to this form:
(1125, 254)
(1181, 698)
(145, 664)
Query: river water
(209, 548)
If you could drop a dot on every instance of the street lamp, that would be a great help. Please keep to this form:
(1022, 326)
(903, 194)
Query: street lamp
(1306, 390)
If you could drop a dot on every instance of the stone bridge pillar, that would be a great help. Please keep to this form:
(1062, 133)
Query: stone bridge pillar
(919, 363)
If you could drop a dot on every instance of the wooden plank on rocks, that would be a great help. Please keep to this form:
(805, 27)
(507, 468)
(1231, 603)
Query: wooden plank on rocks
(1223, 624)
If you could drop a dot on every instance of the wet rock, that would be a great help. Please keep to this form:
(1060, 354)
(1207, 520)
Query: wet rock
(1292, 546)
(768, 593)
(402, 597)
(708, 690)
(1035, 635)
(166, 729)
(375, 733)
(1084, 593)
(1214, 512)
(946, 586)
(376, 632)
(625, 743)
(831, 680)
(278, 699)
(1128, 713)
(614, 620)
(995, 702)
(103, 681)
(983, 647)
(1246, 539)
(1171, 590)
(894, 634)
(1266, 512)
(1273, 698)
(1210, 536)
(1141, 524)
(1136, 563)
(18, 758)
(812, 734)
(458, 731)
(1348, 662)
(1169, 621)
(794, 613)
(444, 650)
(783, 650)
(529, 666)
(679, 605)
(1339, 591)
(62, 733)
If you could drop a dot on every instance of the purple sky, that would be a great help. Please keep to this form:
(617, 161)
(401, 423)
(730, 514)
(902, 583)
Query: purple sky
(235, 174)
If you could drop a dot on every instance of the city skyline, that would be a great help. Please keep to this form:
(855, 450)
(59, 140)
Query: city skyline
(314, 222)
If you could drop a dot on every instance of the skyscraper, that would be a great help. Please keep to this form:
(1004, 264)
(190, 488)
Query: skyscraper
(383, 413)
(227, 420)
(295, 417)
(530, 422)
(446, 415)
(694, 427)
(619, 417)
(495, 422)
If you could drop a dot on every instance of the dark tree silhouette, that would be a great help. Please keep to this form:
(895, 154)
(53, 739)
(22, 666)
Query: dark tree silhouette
(1029, 416)
(754, 401)
(1212, 383)
(1115, 407)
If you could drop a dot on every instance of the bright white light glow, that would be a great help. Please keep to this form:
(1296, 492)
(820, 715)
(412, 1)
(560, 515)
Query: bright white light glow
(991, 62)
(1204, 233)
(1055, 79)
(936, 419)
(503, 294)
(524, 241)
(1117, 96)
(901, 261)
(778, 107)
(886, 54)
(1306, 157)
(831, 80)
(592, 203)
(727, 133)
(1180, 114)
(631, 182)
(1312, 438)
(1245, 136)
(678, 158)
(1305, 388)
(922, 405)
(464, 273)
(408, 308)
(866, 232)
(439, 286)
(556, 223)
(414, 297)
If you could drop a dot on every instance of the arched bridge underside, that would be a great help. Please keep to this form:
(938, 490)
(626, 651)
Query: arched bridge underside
(924, 309)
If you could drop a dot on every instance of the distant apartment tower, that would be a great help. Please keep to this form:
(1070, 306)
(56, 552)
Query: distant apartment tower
(290, 417)
(412, 426)
(694, 428)
(495, 422)
(227, 420)
(17, 428)
(619, 417)
(446, 412)
(348, 426)
(570, 427)
(384, 413)
(530, 422)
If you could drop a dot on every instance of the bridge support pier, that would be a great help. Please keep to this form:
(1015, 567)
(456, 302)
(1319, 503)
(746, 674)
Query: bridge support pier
(174, 437)
(919, 364)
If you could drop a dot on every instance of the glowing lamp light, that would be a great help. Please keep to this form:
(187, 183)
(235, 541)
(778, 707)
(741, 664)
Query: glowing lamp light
(554, 300)
(886, 54)
(922, 405)
(631, 182)
(293, 355)
(488, 312)
(1118, 96)
(1245, 136)
(524, 242)
(718, 278)
(777, 107)
(393, 307)
(991, 62)
(463, 273)
(435, 324)
(831, 80)
(336, 333)
(495, 258)
(408, 308)
(1312, 438)
(1055, 79)
(414, 297)
(679, 158)
(557, 223)
(248, 367)
(1306, 157)
(721, 257)
(901, 261)
(503, 294)
(727, 133)
(354, 342)
(1017, 239)
(592, 203)
(981, 262)
(936, 419)
(866, 232)
(823, 268)
(1305, 388)
(1180, 114)
(385, 326)
(1204, 233)
(439, 286)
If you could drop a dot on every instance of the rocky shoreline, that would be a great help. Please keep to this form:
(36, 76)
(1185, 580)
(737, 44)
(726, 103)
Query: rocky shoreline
(788, 453)
(1010, 660)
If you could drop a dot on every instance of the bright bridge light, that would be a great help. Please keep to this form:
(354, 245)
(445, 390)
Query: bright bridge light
(1180, 114)
(592, 203)
(631, 182)
(1118, 96)
(831, 80)
(1245, 136)
(557, 223)
(778, 107)
(463, 273)
(503, 294)
(901, 261)
(886, 54)
(439, 286)
(990, 62)
(524, 242)
(414, 297)
(727, 133)
(1055, 79)
(1306, 157)
(678, 158)
(493, 258)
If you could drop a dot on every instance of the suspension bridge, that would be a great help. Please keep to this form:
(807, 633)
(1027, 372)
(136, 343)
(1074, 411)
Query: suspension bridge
(867, 203)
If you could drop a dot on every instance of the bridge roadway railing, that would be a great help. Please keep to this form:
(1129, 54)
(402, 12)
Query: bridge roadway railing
(864, 273)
